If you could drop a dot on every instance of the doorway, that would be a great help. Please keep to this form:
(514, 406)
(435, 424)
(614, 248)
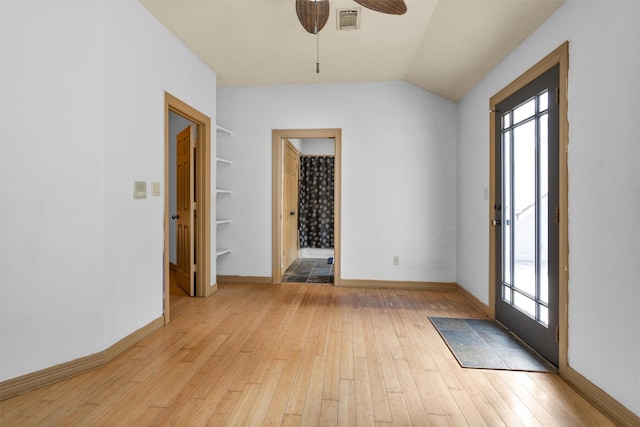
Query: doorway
(528, 207)
(201, 195)
(286, 248)
(308, 183)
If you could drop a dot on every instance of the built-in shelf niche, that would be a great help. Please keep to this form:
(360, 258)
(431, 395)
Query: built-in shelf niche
(223, 133)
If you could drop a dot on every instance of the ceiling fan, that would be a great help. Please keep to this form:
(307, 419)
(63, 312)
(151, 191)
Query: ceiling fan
(314, 14)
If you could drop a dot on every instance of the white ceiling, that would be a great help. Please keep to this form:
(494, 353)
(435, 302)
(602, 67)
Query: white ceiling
(444, 46)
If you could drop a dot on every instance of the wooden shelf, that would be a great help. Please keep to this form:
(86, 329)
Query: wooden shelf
(221, 130)
(221, 251)
(219, 160)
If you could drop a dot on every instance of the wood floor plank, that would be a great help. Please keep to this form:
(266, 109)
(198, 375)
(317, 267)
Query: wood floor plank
(358, 335)
(542, 413)
(71, 416)
(399, 413)
(331, 390)
(468, 409)
(290, 420)
(392, 339)
(210, 402)
(278, 404)
(347, 404)
(377, 386)
(303, 376)
(104, 408)
(328, 413)
(239, 413)
(561, 392)
(313, 399)
(294, 354)
(517, 406)
(224, 367)
(411, 394)
(494, 399)
(346, 351)
(559, 407)
(362, 388)
(223, 410)
(392, 384)
(474, 406)
(379, 395)
(263, 400)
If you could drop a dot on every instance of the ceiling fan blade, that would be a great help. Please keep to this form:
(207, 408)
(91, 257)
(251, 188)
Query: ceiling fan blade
(392, 7)
(311, 13)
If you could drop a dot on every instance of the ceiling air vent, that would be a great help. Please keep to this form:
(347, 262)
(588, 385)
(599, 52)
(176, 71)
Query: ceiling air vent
(348, 19)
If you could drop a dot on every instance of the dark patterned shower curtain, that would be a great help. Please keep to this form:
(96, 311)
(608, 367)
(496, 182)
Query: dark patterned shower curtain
(315, 220)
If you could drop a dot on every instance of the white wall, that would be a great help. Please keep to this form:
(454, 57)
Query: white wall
(317, 146)
(297, 143)
(604, 185)
(52, 246)
(82, 107)
(398, 182)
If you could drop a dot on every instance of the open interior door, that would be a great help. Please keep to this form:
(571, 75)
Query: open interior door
(185, 146)
(291, 172)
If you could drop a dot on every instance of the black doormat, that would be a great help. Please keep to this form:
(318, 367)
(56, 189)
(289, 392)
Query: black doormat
(485, 344)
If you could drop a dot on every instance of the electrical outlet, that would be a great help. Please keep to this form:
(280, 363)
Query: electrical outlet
(396, 260)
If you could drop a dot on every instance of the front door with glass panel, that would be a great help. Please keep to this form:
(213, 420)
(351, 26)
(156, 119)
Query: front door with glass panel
(526, 213)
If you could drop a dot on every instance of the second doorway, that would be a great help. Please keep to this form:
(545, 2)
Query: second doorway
(308, 201)
(306, 206)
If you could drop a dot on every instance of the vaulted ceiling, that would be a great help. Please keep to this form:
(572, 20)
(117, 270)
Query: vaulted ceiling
(444, 46)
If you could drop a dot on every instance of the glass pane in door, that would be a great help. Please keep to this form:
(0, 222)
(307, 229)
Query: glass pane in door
(525, 207)
(506, 208)
(543, 184)
(524, 210)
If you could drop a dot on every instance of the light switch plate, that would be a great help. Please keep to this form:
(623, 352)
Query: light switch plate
(139, 189)
(155, 188)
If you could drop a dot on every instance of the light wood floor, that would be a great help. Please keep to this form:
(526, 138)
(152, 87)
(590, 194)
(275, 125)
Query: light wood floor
(302, 355)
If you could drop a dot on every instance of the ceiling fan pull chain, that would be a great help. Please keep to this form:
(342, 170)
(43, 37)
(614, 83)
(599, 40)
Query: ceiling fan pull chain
(317, 43)
(318, 53)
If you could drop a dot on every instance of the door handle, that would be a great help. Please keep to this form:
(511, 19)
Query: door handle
(175, 216)
(292, 213)
(495, 222)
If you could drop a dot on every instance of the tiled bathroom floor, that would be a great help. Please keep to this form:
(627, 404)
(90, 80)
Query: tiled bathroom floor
(309, 270)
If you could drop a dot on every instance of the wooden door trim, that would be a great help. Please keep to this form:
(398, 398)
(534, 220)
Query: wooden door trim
(204, 287)
(559, 56)
(289, 146)
(276, 191)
